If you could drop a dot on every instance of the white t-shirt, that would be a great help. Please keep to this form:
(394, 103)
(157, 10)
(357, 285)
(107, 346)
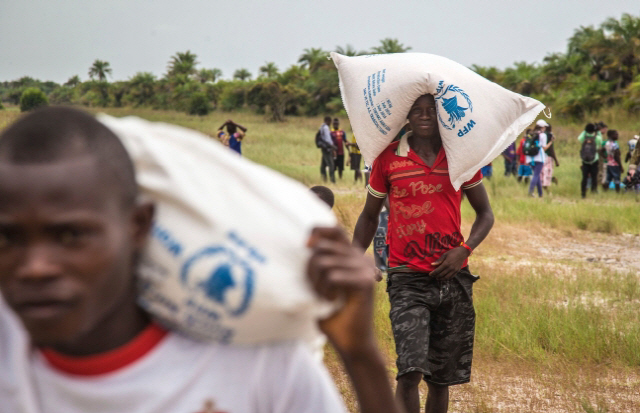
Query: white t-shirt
(541, 156)
(177, 375)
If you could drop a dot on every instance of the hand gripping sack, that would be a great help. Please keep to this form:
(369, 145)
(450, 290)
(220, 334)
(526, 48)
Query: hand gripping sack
(226, 260)
(477, 118)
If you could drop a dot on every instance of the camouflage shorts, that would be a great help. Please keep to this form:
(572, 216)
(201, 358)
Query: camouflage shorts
(433, 325)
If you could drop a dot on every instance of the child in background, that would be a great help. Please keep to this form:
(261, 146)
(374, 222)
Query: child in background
(325, 194)
(547, 170)
(355, 157)
(487, 171)
(510, 160)
(632, 146)
(614, 165)
(524, 170)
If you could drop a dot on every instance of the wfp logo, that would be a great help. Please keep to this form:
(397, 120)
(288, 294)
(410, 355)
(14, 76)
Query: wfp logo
(218, 276)
(456, 104)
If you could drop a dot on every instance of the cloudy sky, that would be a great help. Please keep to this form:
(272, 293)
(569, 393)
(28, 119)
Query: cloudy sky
(56, 39)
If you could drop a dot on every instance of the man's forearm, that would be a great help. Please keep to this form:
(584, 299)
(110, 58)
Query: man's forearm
(371, 382)
(364, 231)
(480, 228)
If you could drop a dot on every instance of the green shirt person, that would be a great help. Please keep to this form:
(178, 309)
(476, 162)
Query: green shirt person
(599, 143)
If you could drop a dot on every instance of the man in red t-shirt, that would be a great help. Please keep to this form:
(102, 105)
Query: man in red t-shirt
(429, 283)
(339, 138)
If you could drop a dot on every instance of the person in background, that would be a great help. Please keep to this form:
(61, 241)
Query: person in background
(590, 142)
(546, 177)
(380, 244)
(324, 193)
(631, 145)
(355, 157)
(510, 160)
(487, 171)
(537, 161)
(614, 165)
(339, 138)
(601, 129)
(328, 150)
(634, 160)
(236, 134)
(524, 169)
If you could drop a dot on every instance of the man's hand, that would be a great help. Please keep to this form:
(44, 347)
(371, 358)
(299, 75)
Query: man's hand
(377, 274)
(450, 263)
(336, 269)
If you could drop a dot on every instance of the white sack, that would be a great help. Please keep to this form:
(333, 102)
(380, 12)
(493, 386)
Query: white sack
(226, 261)
(478, 119)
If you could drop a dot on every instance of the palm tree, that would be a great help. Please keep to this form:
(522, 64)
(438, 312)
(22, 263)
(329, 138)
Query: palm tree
(390, 45)
(142, 86)
(522, 78)
(624, 47)
(349, 51)
(73, 81)
(294, 74)
(269, 70)
(100, 69)
(491, 73)
(313, 59)
(209, 75)
(182, 63)
(242, 74)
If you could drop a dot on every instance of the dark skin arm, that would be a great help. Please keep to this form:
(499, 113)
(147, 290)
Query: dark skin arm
(338, 269)
(367, 223)
(616, 157)
(451, 261)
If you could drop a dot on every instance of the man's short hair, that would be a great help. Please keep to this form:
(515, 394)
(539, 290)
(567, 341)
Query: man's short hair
(327, 118)
(54, 134)
(324, 194)
(611, 133)
(590, 128)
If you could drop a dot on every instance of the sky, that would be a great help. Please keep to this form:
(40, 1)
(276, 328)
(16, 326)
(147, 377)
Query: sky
(56, 39)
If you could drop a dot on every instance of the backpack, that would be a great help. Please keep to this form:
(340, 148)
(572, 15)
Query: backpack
(588, 150)
(321, 143)
(531, 145)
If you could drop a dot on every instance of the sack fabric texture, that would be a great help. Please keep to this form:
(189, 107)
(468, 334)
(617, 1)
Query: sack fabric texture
(226, 260)
(477, 118)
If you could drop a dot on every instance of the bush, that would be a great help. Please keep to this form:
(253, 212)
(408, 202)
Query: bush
(1, 107)
(32, 98)
(199, 104)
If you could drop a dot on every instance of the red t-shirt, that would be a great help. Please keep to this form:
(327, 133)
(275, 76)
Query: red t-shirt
(338, 137)
(520, 152)
(424, 220)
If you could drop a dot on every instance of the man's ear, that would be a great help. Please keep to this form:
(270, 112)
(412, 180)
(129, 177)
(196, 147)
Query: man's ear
(143, 215)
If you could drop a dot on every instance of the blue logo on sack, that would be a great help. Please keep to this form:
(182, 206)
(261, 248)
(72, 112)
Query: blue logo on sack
(228, 280)
(457, 105)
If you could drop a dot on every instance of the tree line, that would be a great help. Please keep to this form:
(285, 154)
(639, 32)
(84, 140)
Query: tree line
(599, 69)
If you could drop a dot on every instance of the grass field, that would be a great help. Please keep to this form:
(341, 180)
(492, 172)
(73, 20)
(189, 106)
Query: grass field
(558, 305)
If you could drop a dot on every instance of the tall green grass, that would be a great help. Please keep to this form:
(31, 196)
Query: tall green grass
(532, 313)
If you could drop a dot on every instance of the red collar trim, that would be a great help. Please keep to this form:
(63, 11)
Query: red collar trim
(109, 361)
